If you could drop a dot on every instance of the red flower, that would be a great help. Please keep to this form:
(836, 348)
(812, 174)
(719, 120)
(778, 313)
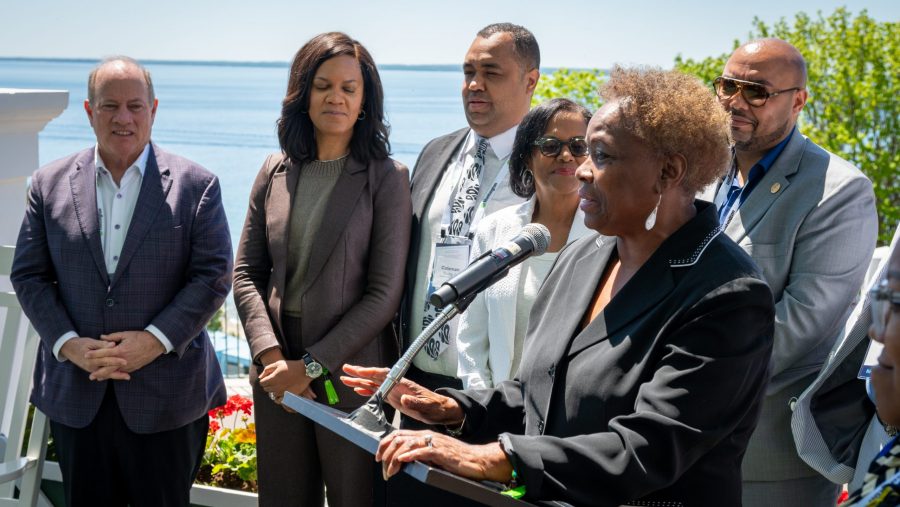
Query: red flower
(217, 413)
(238, 403)
(213, 427)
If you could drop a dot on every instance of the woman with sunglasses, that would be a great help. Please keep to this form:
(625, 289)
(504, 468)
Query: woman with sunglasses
(319, 269)
(548, 148)
(881, 485)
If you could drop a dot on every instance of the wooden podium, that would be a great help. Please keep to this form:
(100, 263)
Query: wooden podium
(336, 421)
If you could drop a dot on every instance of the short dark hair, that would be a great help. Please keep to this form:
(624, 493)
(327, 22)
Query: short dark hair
(92, 77)
(672, 112)
(532, 127)
(526, 46)
(296, 133)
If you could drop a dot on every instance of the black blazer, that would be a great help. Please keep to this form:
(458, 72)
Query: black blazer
(655, 399)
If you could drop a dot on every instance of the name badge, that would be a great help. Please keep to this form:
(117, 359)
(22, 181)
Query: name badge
(449, 261)
(874, 350)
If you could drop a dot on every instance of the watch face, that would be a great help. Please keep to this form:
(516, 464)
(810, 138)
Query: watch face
(313, 370)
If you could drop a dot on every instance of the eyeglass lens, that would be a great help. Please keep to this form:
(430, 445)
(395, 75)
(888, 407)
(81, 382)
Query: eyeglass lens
(880, 303)
(551, 147)
(754, 94)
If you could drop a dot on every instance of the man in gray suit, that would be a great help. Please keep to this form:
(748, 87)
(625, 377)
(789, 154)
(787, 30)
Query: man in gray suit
(807, 217)
(461, 177)
(123, 256)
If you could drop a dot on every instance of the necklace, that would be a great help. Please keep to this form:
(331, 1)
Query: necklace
(342, 157)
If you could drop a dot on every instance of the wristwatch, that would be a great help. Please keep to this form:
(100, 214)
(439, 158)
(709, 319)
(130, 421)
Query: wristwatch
(314, 368)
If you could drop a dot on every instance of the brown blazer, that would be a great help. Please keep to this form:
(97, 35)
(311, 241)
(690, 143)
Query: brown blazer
(354, 282)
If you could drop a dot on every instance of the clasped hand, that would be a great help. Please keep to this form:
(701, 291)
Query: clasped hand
(114, 356)
(281, 375)
(479, 462)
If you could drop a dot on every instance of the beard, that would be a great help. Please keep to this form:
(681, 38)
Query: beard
(763, 141)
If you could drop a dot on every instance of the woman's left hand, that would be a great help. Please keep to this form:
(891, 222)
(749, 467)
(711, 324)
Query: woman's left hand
(479, 462)
(285, 376)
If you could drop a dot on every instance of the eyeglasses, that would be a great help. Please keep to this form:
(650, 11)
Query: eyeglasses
(551, 146)
(880, 300)
(754, 94)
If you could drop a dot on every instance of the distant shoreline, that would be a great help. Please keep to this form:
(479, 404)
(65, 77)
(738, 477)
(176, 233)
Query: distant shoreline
(224, 63)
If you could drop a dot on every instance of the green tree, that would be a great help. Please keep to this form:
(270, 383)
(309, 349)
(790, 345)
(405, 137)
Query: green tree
(217, 321)
(854, 81)
(578, 85)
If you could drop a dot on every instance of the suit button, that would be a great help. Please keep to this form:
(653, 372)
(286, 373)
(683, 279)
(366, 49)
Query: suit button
(110, 302)
(541, 427)
(551, 371)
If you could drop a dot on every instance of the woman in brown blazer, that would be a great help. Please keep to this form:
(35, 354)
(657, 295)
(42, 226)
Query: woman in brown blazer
(319, 269)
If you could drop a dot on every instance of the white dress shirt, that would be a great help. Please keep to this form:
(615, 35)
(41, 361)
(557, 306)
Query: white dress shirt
(494, 162)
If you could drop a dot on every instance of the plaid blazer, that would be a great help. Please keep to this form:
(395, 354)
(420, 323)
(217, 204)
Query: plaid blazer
(174, 272)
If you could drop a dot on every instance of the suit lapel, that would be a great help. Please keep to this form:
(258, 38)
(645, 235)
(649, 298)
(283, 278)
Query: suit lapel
(426, 179)
(652, 283)
(337, 215)
(279, 202)
(155, 186)
(579, 286)
(84, 199)
(770, 188)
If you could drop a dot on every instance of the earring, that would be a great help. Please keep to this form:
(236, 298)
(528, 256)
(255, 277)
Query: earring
(528, 179)
(362, 115)
(651, 220)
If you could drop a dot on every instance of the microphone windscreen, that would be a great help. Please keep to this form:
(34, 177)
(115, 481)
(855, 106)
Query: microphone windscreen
(539, 235)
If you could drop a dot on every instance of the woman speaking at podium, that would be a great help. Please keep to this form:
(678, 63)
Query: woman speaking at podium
(648, 348)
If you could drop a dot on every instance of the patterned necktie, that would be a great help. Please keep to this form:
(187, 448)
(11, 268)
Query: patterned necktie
(883, 473)
(462, 211)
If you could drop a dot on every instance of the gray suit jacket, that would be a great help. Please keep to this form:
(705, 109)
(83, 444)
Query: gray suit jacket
(174, 272)
(810, 225)
(354, 281)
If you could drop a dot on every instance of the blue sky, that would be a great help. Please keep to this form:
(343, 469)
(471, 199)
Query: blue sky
(574, 33)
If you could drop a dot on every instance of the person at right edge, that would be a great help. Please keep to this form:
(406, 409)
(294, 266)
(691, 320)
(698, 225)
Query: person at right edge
(807, 217)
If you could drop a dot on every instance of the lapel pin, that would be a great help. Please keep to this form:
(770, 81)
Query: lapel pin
(775, 187)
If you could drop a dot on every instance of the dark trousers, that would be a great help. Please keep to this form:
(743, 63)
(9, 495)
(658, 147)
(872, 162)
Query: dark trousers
(403, 490)
(301, 462)
(105, 463)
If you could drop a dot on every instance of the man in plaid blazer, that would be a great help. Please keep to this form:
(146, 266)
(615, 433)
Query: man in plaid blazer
(123, 256)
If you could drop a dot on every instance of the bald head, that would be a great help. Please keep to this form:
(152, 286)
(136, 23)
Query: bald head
(776, 52)
(117, 65)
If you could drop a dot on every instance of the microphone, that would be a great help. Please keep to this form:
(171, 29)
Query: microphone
(492, 266)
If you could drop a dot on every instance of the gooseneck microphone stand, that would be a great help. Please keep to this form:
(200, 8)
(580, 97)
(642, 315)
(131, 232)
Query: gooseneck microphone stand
(370, 416)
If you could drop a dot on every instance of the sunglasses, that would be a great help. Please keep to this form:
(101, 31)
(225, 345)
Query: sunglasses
(754, 94)
(551, 146)
(880, 300)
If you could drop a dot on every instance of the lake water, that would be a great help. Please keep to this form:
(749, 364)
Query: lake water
(223, 116)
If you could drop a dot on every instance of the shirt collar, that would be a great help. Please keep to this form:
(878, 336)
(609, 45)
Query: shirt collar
(769, 158)
(501, 144)
(140, 163)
